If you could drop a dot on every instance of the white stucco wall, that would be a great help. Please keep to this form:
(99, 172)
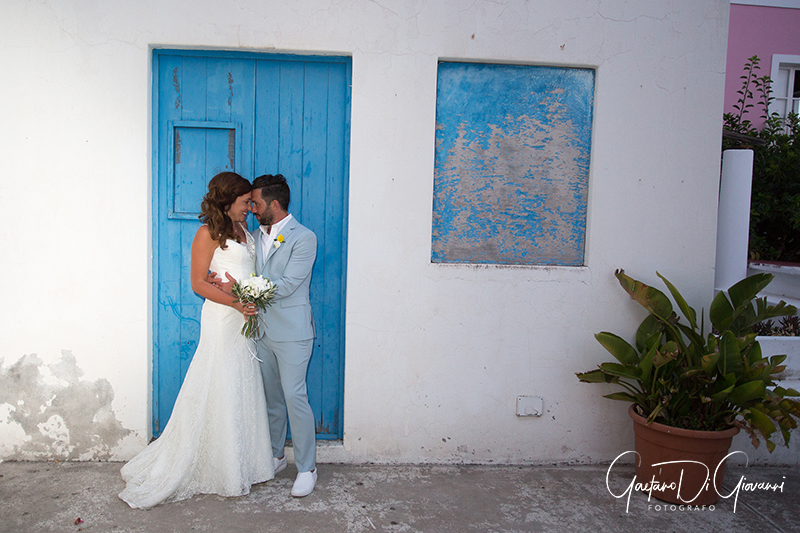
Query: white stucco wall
(435, 355)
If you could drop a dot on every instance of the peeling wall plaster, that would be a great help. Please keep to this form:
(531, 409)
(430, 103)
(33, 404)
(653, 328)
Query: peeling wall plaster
(49, 412)
(511, 176)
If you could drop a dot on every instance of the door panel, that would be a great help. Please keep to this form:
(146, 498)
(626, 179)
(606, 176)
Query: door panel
(253, 114)
(210, 146)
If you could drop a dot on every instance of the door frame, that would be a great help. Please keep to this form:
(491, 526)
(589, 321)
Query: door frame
(156, 204)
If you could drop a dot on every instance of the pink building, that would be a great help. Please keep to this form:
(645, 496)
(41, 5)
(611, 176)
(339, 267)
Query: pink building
(770, 30)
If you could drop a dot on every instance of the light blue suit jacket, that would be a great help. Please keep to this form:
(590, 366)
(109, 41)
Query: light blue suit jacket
(289, 266)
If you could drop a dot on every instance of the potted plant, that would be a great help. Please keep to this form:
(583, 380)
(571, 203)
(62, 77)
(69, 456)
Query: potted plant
(691, 390)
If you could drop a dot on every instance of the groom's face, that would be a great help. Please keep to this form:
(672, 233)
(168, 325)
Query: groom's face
(261, 209)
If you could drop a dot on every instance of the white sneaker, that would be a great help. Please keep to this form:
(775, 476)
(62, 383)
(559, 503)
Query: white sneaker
(280, 464)
(304, 483)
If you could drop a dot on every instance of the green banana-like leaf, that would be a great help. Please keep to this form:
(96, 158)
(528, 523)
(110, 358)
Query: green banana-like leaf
(735, 309)
(696, 341)
(742, 292)
(764, 311)
(667, 353)
(596, 376)
(624, 396)
(747, 391)
(776, 360)
(721, 312)
(648, 333)
(730, 358)
(622, 371)
(687, 311)
(760, 421)
(648, 297)
(709, 362)
(754, 352)
(618, 347)
(745, 319)
(759, 310)
(723, 394)
(646, 366)
(728, 379)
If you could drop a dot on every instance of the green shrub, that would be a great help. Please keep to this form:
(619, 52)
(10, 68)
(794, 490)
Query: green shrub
(775, 204)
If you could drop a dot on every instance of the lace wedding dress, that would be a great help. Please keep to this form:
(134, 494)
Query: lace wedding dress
(217, 439)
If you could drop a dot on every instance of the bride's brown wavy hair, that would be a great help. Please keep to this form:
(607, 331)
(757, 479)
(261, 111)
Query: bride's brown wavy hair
(223, 190)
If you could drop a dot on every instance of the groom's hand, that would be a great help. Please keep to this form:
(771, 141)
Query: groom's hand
(228, 285)
(218, 283)
(213, 279)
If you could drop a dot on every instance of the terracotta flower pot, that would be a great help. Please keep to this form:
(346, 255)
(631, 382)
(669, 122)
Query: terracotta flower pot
(680, 481)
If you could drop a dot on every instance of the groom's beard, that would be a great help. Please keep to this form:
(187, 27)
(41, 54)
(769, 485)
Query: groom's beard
(265, 218)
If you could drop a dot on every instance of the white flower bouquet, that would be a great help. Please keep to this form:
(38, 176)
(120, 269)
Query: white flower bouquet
(253, 290)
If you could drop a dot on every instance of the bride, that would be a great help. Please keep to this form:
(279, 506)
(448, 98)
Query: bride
(217, 439)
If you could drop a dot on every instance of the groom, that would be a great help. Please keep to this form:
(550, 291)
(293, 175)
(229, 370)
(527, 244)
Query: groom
(285, 253)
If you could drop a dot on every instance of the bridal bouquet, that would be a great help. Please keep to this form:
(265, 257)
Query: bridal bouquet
(253, 290)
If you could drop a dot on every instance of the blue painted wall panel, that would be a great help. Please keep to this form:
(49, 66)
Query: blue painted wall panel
(512, 164)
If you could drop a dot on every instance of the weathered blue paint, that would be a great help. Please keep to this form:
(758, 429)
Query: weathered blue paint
(253, 114)
(512, 164)
(187, 177)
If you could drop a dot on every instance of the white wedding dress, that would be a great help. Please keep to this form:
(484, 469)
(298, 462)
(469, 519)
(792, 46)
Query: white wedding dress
(217, 438)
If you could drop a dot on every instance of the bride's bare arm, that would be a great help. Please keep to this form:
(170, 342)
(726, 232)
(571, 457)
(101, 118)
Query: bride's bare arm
(203, 247)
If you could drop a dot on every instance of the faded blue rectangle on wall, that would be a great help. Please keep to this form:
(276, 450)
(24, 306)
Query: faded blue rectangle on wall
(511, 171)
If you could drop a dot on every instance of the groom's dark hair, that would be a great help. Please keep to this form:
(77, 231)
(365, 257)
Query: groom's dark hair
(273, 187)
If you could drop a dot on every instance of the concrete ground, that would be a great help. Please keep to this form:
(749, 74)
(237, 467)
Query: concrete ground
(66, 497)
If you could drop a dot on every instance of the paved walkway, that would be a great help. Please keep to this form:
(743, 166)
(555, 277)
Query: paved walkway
(65, 497)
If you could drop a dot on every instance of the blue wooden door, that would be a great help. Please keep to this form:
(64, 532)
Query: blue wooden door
(253, 114)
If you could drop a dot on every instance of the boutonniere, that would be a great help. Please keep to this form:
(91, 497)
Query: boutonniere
(278, 241)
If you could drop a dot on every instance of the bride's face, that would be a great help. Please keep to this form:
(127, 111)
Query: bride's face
(238, 210)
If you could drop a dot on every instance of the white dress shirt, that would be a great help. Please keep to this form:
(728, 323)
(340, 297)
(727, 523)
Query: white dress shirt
(268, 238)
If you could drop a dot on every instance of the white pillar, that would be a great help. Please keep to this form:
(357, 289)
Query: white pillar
(733, 217)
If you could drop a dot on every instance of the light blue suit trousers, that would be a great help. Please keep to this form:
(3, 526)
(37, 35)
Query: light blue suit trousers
(287, 341)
